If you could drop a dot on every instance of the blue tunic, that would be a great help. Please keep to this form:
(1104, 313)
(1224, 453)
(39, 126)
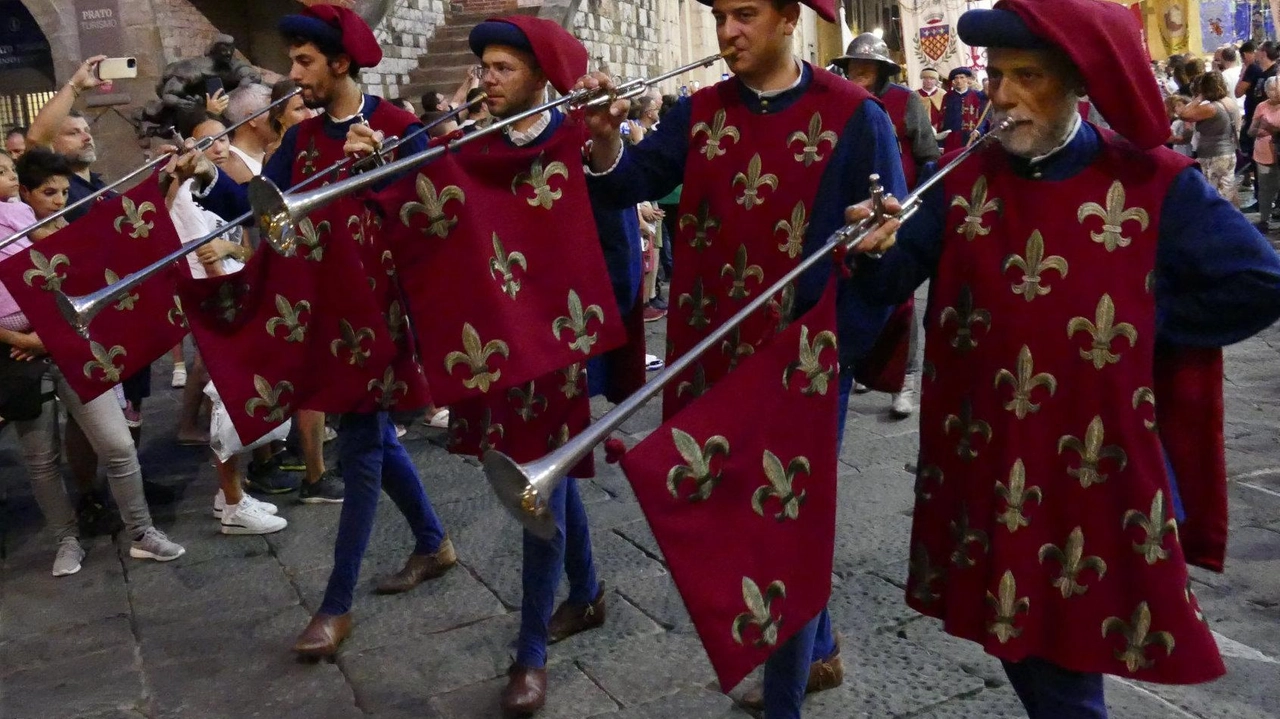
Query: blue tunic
(867, 145)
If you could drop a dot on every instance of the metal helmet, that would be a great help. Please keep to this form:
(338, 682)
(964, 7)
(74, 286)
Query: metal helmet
(868, 47)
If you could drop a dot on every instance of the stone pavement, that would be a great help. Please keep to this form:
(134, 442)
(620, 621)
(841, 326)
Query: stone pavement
(208, 636)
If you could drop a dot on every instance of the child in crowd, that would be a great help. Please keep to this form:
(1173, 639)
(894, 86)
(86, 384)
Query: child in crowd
(1180, 132)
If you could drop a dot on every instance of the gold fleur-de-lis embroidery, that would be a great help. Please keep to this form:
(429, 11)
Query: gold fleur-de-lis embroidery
(699, 302)
(539, 179)
(813, 141)
(976, 208)
(47, 270)
(752, 181)
(963, 535)
(572, 386)
(476, 358)
(504, 264)
(1137, 637)
(356, 228)
(226, 302)
(784, 307)
(698, 465)
(703, 223)
(175, 315)
(576, 321)
(489, 430)
(740, 271)
(308, 157)
(1150, 283)
(781, 485)
(396, 321)
(1007, 608)
(558, 438)
(1092, 453)
(1155, 525)
(795, 228)
(1024, 383)
(289, 316)
(1073, 561)
(716, 133)
(735, 348)
(695, 387)
(1146, 395)
(1016, 495)
(1113, 216)
(129, 300)
(1104, 332)
(923, 575)
(527, 401)
(353, 341)
(269, 399)
(967, 318)
(387, 391)
(433, 206)
(759, 612)
(388, 263)
(1194, 602)
(105, 360)
(809, 362)
(1033, 266)
(968, 428)
(925, 476)
(312, 237)
(136, 217)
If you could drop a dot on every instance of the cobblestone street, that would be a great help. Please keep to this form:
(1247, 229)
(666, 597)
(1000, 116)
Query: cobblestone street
(208, 636)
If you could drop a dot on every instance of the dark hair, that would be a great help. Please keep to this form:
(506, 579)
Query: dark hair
(37, 165)
(189, 120)
(278, 91)
(431, 116)
(403, 104)
(643, 104)
(19, 130)
(331, 51)
(1248, 46)
(1273, 52)
(1212, 86)
(668, 102)
(431, 101)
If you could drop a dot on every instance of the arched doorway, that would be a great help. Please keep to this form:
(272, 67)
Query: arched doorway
(27, 78)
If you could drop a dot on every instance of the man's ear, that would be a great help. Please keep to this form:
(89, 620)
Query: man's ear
(791, 17)
(341, 65)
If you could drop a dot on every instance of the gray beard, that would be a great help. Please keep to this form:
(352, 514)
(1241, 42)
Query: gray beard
(1052, 136)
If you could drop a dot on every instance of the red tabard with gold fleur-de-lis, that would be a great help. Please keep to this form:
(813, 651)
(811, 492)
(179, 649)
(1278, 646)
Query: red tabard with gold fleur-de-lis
(118, 236)
(1043, 523)
(749, 185)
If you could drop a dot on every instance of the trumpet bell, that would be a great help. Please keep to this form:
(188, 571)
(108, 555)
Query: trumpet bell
(521, 493)
(80, 311)
(274, 216)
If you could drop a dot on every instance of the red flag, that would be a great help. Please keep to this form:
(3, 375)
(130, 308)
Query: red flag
(117, 237)
(481, 238)
(743, 504)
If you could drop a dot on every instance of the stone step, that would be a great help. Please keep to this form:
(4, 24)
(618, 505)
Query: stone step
(446, 46)
(454, 58)
(473, 18)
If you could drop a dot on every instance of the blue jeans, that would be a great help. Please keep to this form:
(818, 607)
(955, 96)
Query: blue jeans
(373, 460)
(1050, 692)
(569, 551)
(786, 672)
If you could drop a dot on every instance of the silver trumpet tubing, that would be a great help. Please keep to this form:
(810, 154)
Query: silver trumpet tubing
(201, 145)
(278, 214)
(524, 489)
(80, 310)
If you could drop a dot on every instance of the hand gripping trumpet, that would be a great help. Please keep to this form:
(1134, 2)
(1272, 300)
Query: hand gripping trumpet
(201, 145)
(279, 214)
(79, 311)
(523, 489)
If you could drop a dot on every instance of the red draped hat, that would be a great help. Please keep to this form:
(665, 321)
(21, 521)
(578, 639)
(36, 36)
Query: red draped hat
(560, 55)
(1102, 39)
(329, 26)
(826, 9)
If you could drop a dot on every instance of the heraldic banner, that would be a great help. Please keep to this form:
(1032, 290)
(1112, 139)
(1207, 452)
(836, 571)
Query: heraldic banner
(744, 510)
(499, 298)
(118, 236)
(930, 39)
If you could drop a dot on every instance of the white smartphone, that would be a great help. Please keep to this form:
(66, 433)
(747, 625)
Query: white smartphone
(117, 68)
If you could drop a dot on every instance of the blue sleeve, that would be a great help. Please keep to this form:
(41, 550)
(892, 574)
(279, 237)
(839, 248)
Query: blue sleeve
(230, 200)
(652, 169)
(1217, 278)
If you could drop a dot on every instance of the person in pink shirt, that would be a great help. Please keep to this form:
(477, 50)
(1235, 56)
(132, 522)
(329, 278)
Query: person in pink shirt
(1266, 123)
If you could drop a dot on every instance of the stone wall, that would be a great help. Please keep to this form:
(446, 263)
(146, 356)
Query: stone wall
(403, 33)
(622, 35)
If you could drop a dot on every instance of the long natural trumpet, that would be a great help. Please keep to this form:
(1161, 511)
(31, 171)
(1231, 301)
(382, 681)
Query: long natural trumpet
(279, 214)
(201, 145)
(79, 311)
(524, 489)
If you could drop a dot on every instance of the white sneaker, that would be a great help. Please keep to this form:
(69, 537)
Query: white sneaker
(904, 403)
(70, 554)
(246, 518)
(860, 388)
(220, 502)
(155, 545)
(179, 377)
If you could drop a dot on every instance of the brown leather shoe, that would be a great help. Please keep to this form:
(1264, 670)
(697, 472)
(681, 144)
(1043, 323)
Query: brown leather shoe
(824, 674)
(570, 619)
(418, 569)
(526, 691)
(323, 635)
